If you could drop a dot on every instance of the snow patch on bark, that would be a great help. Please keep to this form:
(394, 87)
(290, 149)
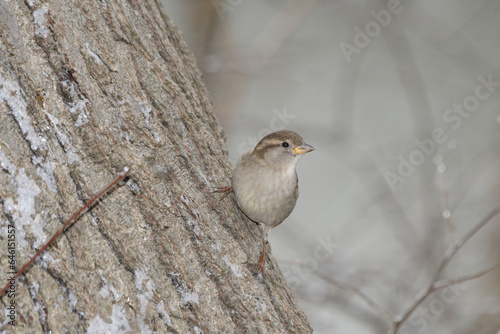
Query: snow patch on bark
(145, 295)
(12, 94)
(22, 210)
(41, 23)
(119, 322)
(71, 154)
(160, 308)
(108, 288)
(234, 267)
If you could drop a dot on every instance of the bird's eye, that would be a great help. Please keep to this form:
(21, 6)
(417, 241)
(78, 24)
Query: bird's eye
(285, 144)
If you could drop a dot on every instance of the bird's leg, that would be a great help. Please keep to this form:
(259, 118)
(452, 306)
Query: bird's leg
(262, 258)
(225, 190)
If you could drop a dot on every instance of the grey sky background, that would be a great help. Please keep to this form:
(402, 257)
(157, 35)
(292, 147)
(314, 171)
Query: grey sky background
(401, 100)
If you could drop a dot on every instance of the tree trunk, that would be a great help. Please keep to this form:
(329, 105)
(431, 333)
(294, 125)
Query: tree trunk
(87, 88)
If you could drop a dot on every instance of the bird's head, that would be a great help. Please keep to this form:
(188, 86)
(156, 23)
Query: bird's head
(281, 149)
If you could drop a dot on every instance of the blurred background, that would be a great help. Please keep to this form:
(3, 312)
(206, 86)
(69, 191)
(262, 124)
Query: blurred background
(401, 100)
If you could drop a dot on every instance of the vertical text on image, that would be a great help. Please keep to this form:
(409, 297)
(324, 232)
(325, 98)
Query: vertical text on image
(10, 311)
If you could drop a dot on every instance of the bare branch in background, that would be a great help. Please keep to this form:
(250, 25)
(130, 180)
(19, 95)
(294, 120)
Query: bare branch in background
(447, 283)
(398, 320)
(427, 291)
(374, 305)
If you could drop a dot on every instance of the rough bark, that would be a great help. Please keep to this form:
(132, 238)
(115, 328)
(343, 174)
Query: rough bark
(86, 88)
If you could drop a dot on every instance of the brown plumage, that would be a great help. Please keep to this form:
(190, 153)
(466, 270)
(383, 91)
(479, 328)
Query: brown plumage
(265, 182)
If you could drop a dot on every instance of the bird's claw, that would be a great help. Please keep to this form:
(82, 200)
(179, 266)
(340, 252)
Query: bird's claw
(261, 263)
(260, 268)
(226, 190)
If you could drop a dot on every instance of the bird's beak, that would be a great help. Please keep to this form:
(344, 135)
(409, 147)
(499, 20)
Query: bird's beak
(303, 148)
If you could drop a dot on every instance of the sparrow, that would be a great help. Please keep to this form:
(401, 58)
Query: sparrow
(265, 182)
